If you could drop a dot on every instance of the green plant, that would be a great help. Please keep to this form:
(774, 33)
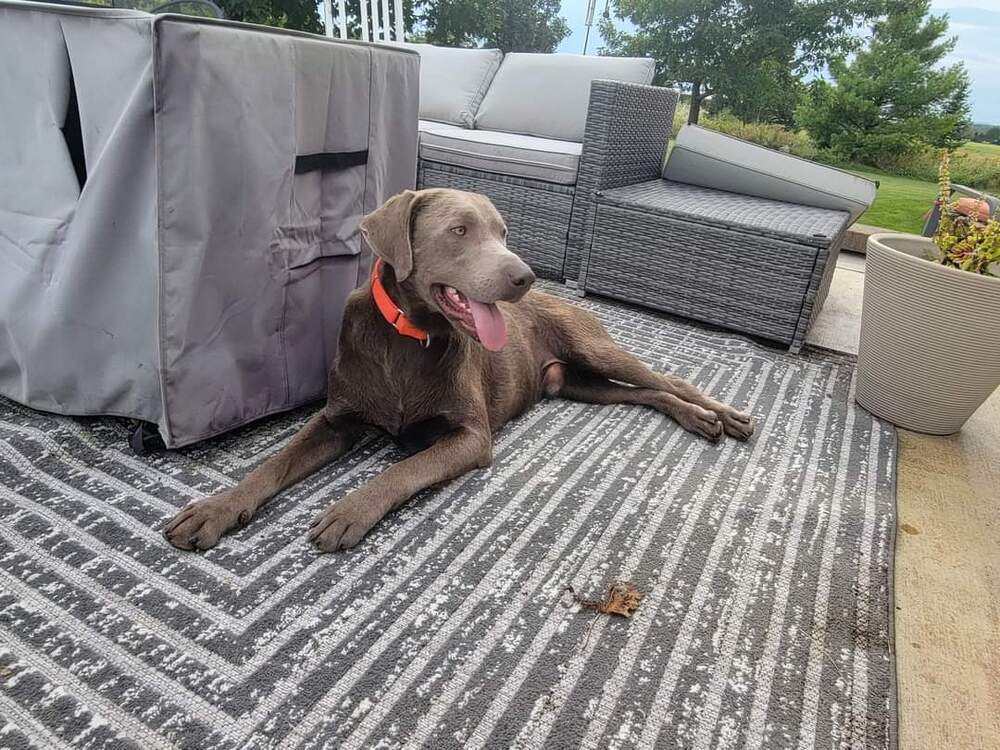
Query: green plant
(898, 95)
(767, 134)
(510, 25)
(752, 54)
(975, 168)
(964, 241)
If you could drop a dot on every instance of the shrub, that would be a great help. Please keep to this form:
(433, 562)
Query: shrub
(973, 169)
(680, 117)
(768, 134)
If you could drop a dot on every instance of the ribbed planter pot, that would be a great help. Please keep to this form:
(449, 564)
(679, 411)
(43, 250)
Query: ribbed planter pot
(930, 337)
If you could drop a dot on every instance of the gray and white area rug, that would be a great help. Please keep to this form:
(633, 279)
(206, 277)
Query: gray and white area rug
(766, 569)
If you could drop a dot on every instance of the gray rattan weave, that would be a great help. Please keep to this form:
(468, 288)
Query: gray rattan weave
(626, 135)
(537, 213)
(752, 265)
(624, 142)
(807, 225)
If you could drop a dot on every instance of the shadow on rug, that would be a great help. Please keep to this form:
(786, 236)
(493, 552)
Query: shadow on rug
(765, 568)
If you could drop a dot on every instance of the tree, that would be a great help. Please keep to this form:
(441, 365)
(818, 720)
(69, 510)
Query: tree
(293, 14)
(510, 25)
(527, 26)
(768, 92)
(984, 133)
(305, 15)
(729, 47)
(992, 135)
(894, 96)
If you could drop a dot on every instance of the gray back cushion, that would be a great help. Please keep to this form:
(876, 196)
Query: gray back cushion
(714, 160)
(453, 81)
(548, 95)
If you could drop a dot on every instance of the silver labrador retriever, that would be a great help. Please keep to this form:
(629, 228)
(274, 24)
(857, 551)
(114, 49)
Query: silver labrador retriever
(445, 346)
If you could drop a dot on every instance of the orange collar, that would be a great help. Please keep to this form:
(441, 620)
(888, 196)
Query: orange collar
(391, 312)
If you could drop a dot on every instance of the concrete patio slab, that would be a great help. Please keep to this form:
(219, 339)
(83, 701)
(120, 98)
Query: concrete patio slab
(947, 563)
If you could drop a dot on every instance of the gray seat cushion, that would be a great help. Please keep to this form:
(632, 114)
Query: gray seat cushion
(525, 156)
(434, 126)
(805, 225)
(710, 159)
(548, 95)
(453, 81)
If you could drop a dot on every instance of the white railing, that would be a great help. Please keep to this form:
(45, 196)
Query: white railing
(379, 27)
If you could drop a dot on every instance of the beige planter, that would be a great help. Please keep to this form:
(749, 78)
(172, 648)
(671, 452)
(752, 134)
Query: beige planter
(930, 337)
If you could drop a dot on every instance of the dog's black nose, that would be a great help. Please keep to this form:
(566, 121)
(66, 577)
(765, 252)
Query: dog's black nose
(522, 277)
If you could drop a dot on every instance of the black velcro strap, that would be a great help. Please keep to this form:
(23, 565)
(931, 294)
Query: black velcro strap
(331, 161)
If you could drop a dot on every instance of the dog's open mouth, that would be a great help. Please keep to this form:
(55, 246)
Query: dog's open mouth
(482, 320)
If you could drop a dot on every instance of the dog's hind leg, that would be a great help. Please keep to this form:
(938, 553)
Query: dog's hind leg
(591, 349)
(321, 440)
(594, 389)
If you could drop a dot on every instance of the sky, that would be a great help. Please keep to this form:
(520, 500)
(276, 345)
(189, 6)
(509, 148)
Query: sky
(976, 24)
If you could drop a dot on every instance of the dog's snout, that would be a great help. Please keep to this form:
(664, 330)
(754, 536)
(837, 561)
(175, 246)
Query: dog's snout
(509, 279)
(522, 277)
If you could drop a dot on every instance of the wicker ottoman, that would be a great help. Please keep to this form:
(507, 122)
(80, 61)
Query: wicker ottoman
(753, 265)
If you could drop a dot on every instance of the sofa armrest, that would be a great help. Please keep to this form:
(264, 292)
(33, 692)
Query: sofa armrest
(628, 126)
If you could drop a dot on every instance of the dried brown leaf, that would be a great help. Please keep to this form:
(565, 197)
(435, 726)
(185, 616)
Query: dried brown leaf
(621, 598)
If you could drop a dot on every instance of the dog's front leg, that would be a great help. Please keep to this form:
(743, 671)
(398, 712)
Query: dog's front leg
(344, 523)
(321, 440)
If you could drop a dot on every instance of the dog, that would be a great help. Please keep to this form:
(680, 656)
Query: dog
(445, 345)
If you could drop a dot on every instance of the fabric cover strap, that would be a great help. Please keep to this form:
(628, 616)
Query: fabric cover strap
(331, 160)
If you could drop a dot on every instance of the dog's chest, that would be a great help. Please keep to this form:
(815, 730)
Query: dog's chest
(400, 400)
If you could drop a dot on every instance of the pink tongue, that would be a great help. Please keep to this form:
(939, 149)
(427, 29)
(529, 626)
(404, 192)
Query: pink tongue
(489, 325)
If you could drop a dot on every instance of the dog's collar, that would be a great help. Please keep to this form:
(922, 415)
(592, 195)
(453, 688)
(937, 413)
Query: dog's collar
(390, 310)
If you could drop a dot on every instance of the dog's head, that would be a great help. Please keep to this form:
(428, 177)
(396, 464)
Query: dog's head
(448, 251)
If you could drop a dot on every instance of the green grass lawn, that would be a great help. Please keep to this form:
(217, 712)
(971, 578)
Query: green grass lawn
(982, 148)
(901, 202)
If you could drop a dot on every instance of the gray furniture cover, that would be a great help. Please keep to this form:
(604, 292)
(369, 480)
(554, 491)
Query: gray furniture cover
(179, 201)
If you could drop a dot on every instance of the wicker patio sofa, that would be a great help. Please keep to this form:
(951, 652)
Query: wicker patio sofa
(732, 234)
(539, 134)
(571, 148)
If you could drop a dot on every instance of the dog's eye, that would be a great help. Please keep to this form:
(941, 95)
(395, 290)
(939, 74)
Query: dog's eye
(460, 231)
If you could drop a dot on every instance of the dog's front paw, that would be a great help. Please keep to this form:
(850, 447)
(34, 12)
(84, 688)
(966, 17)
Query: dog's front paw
(703, 422)
(736, 423)
(200, 524)
(342, 525)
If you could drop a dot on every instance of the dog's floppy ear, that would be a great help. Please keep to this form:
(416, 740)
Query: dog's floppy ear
(387, 232)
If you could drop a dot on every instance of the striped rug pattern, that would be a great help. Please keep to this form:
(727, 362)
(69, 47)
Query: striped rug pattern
(766, 569)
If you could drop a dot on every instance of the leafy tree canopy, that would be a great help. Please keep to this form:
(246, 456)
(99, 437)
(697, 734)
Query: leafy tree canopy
(293, 14)
(985, 133)
(895, 95)
(510, 25)
(738, 49)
